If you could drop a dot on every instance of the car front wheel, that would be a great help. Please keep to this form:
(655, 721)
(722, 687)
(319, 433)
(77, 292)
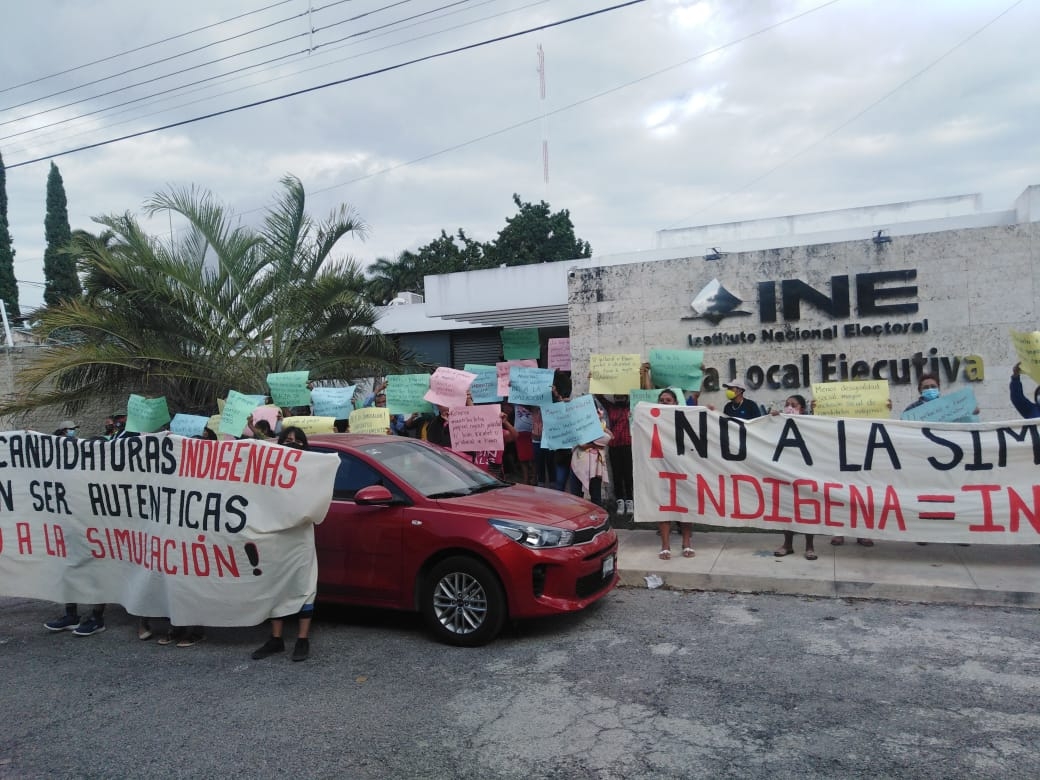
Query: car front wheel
(463, 603)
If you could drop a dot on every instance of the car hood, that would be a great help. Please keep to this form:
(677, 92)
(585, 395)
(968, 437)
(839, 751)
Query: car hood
(534, 505)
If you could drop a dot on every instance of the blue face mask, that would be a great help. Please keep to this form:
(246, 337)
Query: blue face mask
(930, 393)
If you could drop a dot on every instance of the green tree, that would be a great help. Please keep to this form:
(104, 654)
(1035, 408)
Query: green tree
(386, 278)
(536, 235)
(8, 284)
(217, 309)
(59, 268)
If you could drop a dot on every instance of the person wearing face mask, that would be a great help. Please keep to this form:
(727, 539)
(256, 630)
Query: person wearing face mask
(795, 404)
(928, 387)
(66, 428)
(737, 405)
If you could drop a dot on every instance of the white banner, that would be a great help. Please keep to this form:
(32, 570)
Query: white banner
(896, 480)
(214, 533)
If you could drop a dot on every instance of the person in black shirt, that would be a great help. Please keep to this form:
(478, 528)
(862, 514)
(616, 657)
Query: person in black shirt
(738, 405)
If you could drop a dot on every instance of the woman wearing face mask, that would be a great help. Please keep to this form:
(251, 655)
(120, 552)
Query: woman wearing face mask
(795, 404)
(737, 405)
(665, 528)
(67, 428)
(928, 387)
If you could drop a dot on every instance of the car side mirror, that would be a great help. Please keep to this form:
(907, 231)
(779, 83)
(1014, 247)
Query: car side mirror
(374, 495)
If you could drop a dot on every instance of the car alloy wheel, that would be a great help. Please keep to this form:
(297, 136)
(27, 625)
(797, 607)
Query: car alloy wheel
(463, 602)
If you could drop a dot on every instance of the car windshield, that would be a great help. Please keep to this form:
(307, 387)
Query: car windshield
(433, 472)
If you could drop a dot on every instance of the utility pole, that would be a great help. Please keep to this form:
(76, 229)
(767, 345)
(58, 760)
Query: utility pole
(545, 120)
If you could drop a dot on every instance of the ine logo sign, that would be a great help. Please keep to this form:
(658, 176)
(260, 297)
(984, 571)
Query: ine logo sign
(877, 293)
(714, 303)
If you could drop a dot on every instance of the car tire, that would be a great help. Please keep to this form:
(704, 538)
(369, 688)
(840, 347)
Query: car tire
(463, 603)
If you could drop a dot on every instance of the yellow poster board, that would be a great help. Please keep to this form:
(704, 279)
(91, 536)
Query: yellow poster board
(371, 419)
(310, 424)
(868, 398)
(1027, 346)
(613, 374)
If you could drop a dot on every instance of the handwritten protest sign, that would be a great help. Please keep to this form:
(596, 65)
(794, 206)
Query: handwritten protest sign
(476, 428)
(216, 533)
(559, 354)
(520, 344)
(677, 367)
(404, 394)
(1027, 347)
(613, 374)
(484, 389)
(503, 373)
(237, 408)
(146, 415)
(188, 425)
(449, 386)
(867, 398)
(269, 413)
(880, 479)
(289, 388)
(371, 419)
(530, 386)
(334, 402)
(568, 424)
(214, 423)
(958, 406)
(651, 396)
(310, 424)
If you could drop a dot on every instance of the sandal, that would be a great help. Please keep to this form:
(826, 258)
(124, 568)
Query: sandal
(665, 555)
(688, 552)
(837, 540)
(865, 542)
(780, 553)
(810, 555)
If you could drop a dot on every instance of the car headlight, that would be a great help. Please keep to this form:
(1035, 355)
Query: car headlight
(531, 535)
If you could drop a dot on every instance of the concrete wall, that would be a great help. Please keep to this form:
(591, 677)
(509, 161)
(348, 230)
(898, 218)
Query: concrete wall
(90, 420)
(973, 286)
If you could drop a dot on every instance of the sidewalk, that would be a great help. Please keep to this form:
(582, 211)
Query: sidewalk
(983, 575)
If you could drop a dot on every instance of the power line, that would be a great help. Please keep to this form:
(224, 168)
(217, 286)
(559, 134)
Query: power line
(176, 72)
(23, 147)
(218, 76)
(143, 47)
(338, 82)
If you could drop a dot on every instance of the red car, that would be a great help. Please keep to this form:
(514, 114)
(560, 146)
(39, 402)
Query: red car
(413, 526)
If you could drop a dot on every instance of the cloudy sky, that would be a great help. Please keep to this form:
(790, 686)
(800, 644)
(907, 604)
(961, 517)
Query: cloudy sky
(664, 113)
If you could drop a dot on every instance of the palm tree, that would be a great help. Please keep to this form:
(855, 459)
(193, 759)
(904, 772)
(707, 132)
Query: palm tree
(218, 309)
(387, 278)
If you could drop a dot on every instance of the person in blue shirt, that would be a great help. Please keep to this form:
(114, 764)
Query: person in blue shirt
(1026, 408)
(737, 405)
(398, 424)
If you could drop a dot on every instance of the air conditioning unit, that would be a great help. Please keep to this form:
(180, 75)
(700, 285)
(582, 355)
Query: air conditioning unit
(405, 298)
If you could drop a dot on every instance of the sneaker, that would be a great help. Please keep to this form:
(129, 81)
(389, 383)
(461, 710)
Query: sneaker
(301, 650)
(64, 623)
(174, 635)
(273, 645)
(630, 507)
(621, 506)
(191, 639)
(89, 626)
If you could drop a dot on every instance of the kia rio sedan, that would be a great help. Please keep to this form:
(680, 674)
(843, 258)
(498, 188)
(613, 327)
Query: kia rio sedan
(413, 526)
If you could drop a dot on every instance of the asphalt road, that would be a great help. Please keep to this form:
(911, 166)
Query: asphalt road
(647, 684)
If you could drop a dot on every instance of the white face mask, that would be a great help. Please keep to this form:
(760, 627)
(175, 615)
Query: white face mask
(791, 409)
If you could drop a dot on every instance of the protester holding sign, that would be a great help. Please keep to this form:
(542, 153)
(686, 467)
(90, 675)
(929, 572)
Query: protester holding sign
(664, 528)
(588, 464)
(295, 438)
(1026, 408)
(795, 404)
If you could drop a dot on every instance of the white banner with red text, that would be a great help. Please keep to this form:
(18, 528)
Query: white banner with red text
(880, 479)
(212, 533)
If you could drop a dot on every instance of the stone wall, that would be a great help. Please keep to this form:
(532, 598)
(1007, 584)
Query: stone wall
(937, 301)
(12, 361)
